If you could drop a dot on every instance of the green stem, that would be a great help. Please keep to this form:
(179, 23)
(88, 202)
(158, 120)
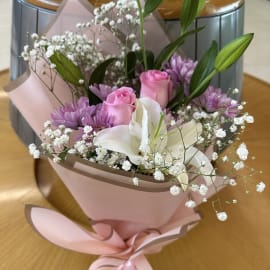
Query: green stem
(142, 34)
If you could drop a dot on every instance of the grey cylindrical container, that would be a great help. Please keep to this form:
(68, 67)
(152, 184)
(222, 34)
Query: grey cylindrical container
(26, 19)
(223, 26)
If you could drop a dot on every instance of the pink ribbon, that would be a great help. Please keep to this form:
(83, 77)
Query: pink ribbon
(115, 252)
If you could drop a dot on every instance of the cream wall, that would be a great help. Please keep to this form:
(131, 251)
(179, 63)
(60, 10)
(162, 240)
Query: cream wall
(5, 26)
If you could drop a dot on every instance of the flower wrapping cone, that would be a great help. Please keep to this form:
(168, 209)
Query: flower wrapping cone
(108, 197)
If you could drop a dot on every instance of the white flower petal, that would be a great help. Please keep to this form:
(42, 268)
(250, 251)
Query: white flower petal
(195, 158)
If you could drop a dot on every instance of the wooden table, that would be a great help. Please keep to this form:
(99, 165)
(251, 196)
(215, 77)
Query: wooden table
(241, 243)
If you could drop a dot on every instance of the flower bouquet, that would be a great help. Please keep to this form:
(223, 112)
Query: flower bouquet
(130, 125)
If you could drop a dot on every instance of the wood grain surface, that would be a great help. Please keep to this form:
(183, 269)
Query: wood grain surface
(240, 243)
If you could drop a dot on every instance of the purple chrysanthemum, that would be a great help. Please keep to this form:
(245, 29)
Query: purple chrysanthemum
(102, 90)
(80, 114)
(71, 115)
(97, 118)
(214, 100)
(180, 70)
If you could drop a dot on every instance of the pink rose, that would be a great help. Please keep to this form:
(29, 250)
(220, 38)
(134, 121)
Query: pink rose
(156, 85)
(119, 105)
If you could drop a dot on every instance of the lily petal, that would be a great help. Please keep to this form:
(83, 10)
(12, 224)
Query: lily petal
(196, 158)
(119, 139)
(185, 135)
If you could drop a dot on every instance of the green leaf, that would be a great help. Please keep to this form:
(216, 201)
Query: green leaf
(200, 77)
(190, 10)
(178, 99)
(149, 56)
(200, 6)
(150, 6)
(99, 73)
(130, 62)
(66, 68)
(232, 52)
(170, 49)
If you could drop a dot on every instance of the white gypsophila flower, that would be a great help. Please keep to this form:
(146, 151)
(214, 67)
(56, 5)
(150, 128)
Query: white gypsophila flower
(235, 91)
(225, 158)
(177, 169)
(239, 165)
(67, 131)
(101, 153)
(158, 175)
(260, 187)
(126, 165)
(242, 151)
(32, 147)
(214, 156)
(240, 107)
(57, 132)
(233, 128)
(200, 140)
(135, 181)
(81, 81)
(56, 159)
(222, 216)
(61, 127)
(204, 200)
(220, 133)
(238, 121)
(175, 190)
(47, 124)
(158, 159)
(197, 115)
(249, 119)
(203, 189)
(172, 122)
(48, 133)
(190, 204)
(234, 201)
(232, 182)
(34, 36)
(87, 129)
(36, 154)
(80, 147)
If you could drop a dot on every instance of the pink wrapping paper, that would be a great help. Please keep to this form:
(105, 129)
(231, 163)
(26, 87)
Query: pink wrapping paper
(129, 221)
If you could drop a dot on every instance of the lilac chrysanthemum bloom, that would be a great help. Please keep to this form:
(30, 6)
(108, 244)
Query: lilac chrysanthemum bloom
(97, 118)
(70, 115)
(102, 90)
(180, 70)
(214, 100)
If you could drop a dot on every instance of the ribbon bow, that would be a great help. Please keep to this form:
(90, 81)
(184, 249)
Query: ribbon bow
(116, 253)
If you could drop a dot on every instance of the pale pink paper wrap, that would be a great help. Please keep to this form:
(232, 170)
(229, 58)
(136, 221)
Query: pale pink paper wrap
(129, 220)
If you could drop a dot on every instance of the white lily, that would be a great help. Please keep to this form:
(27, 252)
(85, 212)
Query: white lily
(147, 134)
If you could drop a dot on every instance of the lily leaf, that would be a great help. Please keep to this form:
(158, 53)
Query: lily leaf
(200, 78)
(99, 73)
(232, 52)
(130, 61)
(170, 49)
(177, 100)
(190, 10)
(150, 6)
(66, 68)
(149, 56)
